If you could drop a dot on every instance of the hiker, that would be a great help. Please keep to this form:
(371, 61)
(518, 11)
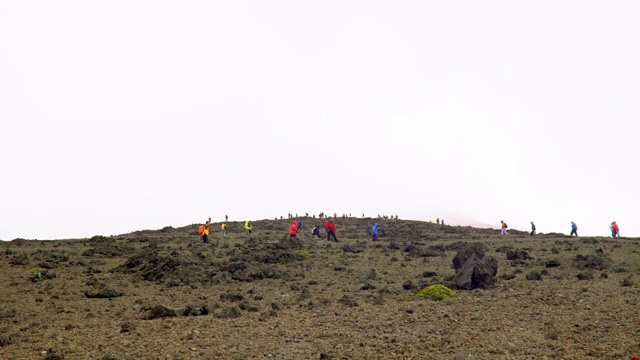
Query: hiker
(504, 227)
(374, 232)
(293, 229)
(299, 224)
(335, 215)
(533, 229)
(316, 231)
(331, 230)
(223, 232)
(247, 227)
(226, 218)
(442, 222)
(574, 229)
(615, 230)
(438, 221)
(204, 231)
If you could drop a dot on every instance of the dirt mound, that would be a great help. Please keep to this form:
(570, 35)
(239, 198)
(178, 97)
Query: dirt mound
(171, 270)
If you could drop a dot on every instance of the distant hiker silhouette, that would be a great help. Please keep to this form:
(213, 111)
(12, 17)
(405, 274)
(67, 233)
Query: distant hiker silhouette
(316, 231)
(533, 229)
(438, 221)
(299, 224)
(504, 227)
(374, 232)
(615, 230)
(226, 218)
(574, 229)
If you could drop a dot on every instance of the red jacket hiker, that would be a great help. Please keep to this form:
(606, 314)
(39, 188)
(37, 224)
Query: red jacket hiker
(293, 229)
(329, 226)
(331, 230)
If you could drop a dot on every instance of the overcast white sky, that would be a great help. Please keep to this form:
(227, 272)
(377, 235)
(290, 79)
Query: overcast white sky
(126, 115)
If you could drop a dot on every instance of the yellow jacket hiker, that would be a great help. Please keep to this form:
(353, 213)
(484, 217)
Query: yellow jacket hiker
(223, 233)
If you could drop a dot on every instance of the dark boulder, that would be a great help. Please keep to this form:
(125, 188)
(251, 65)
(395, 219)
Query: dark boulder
(534, 275)
(471, 250)
(519, 254)
(477, 273)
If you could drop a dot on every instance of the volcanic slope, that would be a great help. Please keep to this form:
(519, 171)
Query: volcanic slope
(163, 294)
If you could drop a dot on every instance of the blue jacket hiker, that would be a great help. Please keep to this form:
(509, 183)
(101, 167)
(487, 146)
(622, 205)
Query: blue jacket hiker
(374, 232)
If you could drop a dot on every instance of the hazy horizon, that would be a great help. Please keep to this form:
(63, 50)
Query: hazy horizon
(127, 115)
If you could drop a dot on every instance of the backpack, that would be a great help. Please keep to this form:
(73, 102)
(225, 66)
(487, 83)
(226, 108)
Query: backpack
(201, 230)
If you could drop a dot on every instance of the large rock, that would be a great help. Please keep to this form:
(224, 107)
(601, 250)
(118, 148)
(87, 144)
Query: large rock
(477, 273)
(519, 254)
(467, 253)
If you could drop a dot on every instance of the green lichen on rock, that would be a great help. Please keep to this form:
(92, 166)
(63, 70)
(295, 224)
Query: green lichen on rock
(437, 291)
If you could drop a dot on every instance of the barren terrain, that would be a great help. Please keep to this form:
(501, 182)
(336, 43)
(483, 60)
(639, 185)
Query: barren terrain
(165, 295)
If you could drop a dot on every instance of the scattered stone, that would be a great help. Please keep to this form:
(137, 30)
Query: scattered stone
(504, 249)
(552, 335)
(519, 254)
(370, 274)
(626, 281)
(407, 285)
(508, 276)
(4, 314)
(20, 259)
(348, 301)
(232, 297)
(597, 261)
(53, 355)
(428, 274)
(352, 249)
(587, 275)
(128, 327)
(5, 340)
(106, 292)
(604, 275)
(378, 300)
(305, 294)
(231, 312)
(161, 311)
(367, 286)
(393, 246)
(552, 264)
(534, 275)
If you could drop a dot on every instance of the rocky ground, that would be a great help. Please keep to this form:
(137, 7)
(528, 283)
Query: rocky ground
(165, 295)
